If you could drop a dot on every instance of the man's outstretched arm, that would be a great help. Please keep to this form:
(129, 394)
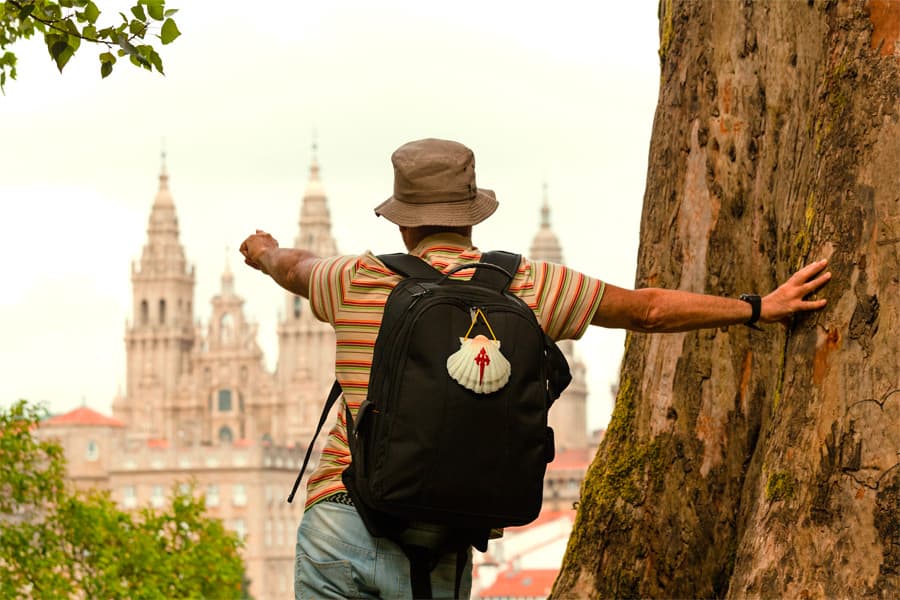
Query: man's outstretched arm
(658, 310)
(289, 267)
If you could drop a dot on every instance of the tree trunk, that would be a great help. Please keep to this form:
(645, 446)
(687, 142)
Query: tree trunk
(747, 463)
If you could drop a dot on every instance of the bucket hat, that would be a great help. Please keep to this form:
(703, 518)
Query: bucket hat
(434, 184)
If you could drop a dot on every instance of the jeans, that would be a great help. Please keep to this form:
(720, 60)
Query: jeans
(338, 558)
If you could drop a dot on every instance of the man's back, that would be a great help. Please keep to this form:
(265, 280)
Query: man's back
(350, 293)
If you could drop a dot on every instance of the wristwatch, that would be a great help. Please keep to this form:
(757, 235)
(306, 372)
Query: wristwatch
(755, 303)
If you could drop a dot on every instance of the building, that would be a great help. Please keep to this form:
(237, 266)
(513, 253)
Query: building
(200, 407)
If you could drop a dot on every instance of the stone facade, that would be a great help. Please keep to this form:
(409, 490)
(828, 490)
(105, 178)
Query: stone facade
(200, 408)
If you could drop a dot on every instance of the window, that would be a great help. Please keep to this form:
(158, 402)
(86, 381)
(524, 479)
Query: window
(212, 495)
(225, 435)
(145, 312)
(157, 498)
(224, 400)
(184, 488)
(298, 303)
(129, 496)
(93, 451)
(267, 535)
(279, 532)
(240, 528)
(162, 312)
(226, 327)
(239, 495)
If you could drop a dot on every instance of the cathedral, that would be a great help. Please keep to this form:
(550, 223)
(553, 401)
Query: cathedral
(201, 408)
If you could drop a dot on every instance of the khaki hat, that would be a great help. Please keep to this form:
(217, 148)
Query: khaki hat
(434, 184)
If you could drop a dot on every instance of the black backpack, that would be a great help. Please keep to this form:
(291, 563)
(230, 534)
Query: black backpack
(436, 465)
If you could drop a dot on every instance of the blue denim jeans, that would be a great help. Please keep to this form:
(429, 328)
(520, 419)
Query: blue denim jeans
(338, 558)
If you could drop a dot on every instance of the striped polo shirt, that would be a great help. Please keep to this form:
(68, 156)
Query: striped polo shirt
(350, 292)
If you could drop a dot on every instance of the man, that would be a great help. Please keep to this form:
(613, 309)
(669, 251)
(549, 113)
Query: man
(435, 204)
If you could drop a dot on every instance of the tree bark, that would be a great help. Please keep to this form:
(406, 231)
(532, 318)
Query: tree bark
(742, 463)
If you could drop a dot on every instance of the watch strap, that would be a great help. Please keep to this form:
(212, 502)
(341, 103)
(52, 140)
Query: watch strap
(755, 303)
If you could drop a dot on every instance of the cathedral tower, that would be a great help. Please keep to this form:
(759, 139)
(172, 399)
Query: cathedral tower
(231, 396)
(568, 417)
(306, 345)
(160, 334)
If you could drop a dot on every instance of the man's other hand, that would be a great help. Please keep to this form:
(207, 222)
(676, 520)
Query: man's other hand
(255, 246)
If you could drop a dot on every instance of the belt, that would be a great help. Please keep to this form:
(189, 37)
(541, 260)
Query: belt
(340, 498)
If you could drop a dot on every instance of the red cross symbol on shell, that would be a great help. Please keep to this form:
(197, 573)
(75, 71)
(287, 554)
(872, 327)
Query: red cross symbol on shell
(478, 365)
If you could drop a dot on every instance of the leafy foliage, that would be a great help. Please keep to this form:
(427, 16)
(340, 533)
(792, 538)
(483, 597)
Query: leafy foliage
(64, 24)
(58, 543)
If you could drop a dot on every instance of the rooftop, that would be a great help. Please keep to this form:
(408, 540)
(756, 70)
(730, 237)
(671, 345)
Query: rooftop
(533, 583)
(82, 416)
(572, 459)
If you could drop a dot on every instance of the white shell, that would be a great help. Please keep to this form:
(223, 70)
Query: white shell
(478, 365)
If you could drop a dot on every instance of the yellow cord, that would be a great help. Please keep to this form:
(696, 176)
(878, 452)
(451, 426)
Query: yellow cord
(478, 311)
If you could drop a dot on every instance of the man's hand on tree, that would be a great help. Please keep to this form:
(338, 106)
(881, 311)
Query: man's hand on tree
(788, 298)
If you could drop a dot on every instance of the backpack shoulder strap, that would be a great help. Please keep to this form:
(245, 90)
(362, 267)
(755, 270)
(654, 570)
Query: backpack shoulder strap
(333, 395)
(409, 265)
(507, 261)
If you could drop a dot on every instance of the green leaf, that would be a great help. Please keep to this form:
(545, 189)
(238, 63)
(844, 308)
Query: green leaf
(155, 9)
(138, 11)
(169, 32)
(137, 28)
(156, 60)
(71, 27)
(171, 12)
(105, 69)
(25, 11)
(52, 11)
(89, 33)
(91, 12)
(61, 52)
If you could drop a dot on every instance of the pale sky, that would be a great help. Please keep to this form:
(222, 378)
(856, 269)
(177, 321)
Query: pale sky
(562, 93)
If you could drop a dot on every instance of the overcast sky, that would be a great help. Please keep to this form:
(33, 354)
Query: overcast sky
(562, 93)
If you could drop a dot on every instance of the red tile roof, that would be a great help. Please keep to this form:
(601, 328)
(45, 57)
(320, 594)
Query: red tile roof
(572, 459)
(158, 443)
(83, 416)
(533, 583)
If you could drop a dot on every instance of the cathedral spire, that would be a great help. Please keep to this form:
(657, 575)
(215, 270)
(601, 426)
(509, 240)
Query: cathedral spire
(315, 218)
(314, 162)
(545, 209)
(227, 277)
(545, 245)
(163, 251)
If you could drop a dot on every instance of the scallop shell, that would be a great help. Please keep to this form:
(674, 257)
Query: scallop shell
(478, 365)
